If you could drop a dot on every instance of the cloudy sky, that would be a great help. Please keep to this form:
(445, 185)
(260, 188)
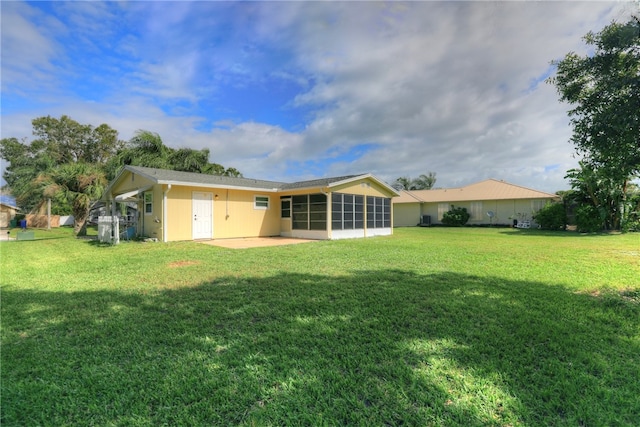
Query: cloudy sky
(298, 90)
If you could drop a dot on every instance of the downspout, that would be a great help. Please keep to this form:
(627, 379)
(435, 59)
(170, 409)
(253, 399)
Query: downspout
(164, 213)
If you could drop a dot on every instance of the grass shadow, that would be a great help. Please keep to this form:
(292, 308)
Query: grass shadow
(367, 348)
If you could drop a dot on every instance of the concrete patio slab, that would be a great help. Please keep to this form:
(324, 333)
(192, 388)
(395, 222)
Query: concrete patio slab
(254, 242)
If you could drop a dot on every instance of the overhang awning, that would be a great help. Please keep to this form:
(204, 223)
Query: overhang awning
(130, 194)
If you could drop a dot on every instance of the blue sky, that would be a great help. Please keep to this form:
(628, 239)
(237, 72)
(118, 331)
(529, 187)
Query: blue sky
(299, 90)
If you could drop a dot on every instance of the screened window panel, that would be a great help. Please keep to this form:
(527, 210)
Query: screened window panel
(387, 212)
(378, 207)
(358, 212)
(371, 212)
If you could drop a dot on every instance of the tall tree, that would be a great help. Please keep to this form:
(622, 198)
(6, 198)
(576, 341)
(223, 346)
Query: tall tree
(425, 182)
(69, 141)
(603, 90)
(57, 142)
(79, 185)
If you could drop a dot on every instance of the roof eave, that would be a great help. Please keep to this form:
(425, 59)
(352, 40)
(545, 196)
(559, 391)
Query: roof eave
(220, 186)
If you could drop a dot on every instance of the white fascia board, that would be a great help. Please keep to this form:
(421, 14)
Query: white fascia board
(221, 187)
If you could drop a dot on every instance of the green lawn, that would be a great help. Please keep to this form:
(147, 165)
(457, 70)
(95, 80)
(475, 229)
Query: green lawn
(431, 326)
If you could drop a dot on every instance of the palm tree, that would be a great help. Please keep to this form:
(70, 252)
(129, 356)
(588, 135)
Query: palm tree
(403, 183)
(79, 184)
(423, 182)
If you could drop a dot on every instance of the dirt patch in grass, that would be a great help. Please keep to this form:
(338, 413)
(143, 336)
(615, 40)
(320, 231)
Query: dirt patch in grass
(177, 264)
(629, 295)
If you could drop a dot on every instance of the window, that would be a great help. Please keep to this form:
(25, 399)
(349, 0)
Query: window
(476, 211)
(148, 203)
(442, 209)
(309, 212)
(261, 202)
(347, 211)
(285, 208)
(378, 212)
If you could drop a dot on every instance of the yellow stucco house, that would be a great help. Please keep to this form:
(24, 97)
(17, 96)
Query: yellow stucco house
(488, 202)
(175, 205)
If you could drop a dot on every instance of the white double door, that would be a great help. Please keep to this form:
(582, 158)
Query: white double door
(202, 210)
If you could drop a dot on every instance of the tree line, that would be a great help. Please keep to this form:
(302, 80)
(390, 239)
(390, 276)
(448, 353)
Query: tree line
(71, 164)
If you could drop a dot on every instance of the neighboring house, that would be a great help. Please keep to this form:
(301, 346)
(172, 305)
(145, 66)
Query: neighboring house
(7, 213)
(188, 206)
(488, 202)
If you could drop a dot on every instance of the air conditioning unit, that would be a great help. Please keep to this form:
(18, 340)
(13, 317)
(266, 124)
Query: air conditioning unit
(425, 221)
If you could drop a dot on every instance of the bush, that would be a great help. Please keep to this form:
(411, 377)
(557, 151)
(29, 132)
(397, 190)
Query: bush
(589, 219)
(456, 217)
(632, 220)
(552, 217)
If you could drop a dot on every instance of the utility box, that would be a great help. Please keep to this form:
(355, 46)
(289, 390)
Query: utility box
(25, 235)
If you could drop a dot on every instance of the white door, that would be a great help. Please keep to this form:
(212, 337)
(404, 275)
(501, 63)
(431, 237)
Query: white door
(202, 215)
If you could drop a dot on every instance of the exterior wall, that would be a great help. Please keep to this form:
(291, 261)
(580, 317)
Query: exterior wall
(505, 211)
(234, 214)
(285, 227)
(310, 234)
(150, 224)
(406, 214)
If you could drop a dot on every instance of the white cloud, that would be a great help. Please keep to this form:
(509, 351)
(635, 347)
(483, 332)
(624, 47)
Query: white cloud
(28, 48)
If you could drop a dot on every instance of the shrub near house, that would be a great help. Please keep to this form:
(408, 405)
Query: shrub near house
(553, 216)
(456, 217)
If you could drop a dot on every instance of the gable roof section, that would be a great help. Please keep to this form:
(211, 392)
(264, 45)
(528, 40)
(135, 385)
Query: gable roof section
(337, 181)
(490, 189)
(166, 176)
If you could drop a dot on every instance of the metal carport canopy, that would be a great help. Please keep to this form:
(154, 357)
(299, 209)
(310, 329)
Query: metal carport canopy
(129, 194)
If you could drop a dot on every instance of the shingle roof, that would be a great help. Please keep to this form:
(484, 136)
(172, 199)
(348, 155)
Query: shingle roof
(165, 176)
(322, 182)
(490, 189)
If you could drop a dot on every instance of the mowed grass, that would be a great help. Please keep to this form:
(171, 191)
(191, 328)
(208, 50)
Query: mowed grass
(430, 326)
